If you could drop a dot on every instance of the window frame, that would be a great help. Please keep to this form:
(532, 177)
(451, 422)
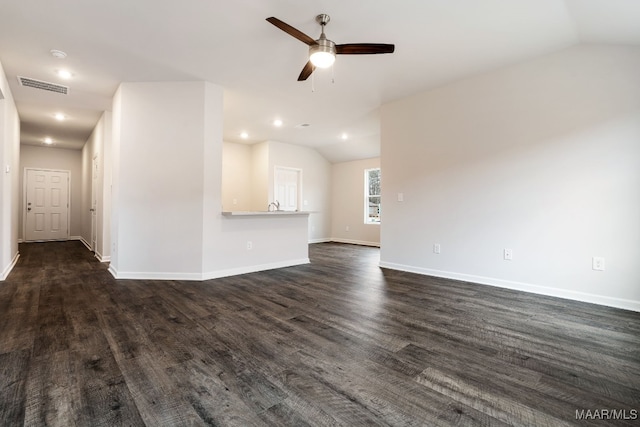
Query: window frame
(368, 218)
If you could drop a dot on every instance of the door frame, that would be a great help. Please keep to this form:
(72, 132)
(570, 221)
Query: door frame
(24, 199)
(299, 183)
(93, 210)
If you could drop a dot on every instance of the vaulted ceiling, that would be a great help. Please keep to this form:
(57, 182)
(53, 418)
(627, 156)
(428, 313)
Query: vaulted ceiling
(230, 43)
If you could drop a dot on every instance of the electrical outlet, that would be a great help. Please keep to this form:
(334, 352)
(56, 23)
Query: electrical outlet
(401, 197)
(436, 248)
(508, 254)
(249, 245)
(346, 228)
(235, 201)
(597, 263)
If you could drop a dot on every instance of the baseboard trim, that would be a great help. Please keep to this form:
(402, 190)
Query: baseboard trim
(7, 270)
(354, 242)
(103, 258)
(254, 268)
(82, 240)
(322, 240)
(141, 275)
(204, 276)
(520, 286)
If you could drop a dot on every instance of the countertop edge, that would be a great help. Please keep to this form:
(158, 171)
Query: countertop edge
(265, 213)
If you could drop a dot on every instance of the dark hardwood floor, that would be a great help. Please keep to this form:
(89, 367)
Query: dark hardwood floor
(336, 342)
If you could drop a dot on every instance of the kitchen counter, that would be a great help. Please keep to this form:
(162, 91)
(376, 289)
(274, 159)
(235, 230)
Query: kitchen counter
(264, 213)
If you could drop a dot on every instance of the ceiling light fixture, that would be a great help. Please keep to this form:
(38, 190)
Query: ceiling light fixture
(244, 135)
(60, 117)
(277, 123)
(344, 136)
(65, 74)
(58, 54)
(48, 141)
(322, 53)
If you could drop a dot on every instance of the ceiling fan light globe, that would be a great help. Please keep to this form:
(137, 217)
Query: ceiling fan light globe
(322, 59)
(323, 53)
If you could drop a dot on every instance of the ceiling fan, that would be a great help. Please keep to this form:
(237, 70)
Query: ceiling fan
(322, 52)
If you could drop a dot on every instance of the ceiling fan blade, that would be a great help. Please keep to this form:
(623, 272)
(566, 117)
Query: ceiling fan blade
(306, 71)
(291, 31)
(364, 48)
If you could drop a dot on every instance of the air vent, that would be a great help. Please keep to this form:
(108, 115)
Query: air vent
(39, 84)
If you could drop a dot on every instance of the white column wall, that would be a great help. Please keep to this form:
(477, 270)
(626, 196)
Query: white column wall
(160, 173)
(260, 176)
(167, 218)
(99, 143)
(9, 178)
(236, 177)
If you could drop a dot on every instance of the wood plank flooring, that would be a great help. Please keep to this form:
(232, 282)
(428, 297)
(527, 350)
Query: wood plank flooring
(335, 342)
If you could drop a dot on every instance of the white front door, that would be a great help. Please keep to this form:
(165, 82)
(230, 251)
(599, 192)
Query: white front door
(288, 186)
(47, 205)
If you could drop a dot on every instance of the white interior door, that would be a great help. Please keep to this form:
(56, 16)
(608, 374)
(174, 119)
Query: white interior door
(94, 205)
(47, 205)
(288, 187)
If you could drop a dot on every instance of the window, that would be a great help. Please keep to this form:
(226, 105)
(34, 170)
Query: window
(372, 196)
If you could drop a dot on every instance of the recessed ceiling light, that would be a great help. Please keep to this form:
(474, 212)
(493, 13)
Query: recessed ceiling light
(58, 54)
(60, 117)
(65, 74)
(244, 135)
(48, 140)
(344, 136)
(277, 123)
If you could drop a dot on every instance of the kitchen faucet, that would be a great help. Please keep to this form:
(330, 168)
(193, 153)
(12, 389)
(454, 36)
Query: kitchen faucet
(275, 204)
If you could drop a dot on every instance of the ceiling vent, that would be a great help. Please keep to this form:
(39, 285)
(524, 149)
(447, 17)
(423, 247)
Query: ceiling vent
(39, 84)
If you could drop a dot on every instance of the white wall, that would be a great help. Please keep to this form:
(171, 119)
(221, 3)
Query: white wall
(316, 184)
(542, 158)
(236, 177)
(249, 170)
(160, 178)
(260, 195)
(35, 157)
(98, 146)
(9, 178)
(167, 218)
(347, 202)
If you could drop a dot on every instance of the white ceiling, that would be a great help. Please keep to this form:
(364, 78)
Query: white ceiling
(230, 43)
